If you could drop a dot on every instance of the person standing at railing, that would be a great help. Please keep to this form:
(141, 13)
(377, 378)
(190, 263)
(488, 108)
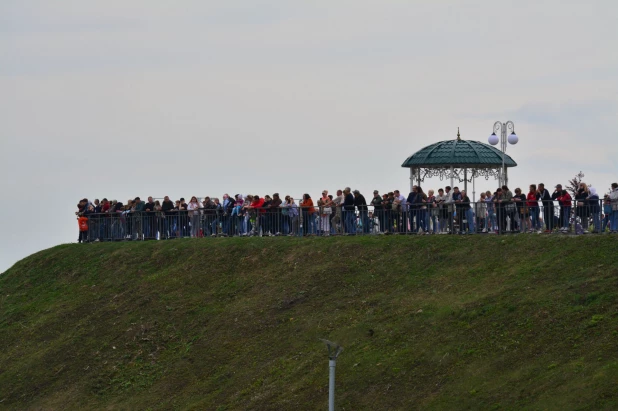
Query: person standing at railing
(138, 218)
(564, 199)
(500, 210)
(413, 210)
(294, 217)
(532, 201)
(389, 213)
(440, 206)
(227, 208)
(247, 215)
(400, 211)
(237, 215)
(480, 210)
(613, 197)
(183, 217)
(194, 216)
(378, 211)
(523, 213)
(349, 212)
(322, 201)
(82, 222)
(217, 212)
(467, 213)
(510, 209)
(548, 208)
(459, 212)
(492, 221)
(433, 212)
(104, 224)
(254, 210)
(150, 231)
(422, 217)
(607, 213)
(208, 215)
(595, 209)
(336, 222)
(275, 207)
(554, 196)
(266, 216)
(582, 211)
(450, 209)
(361, 205)
(159, 219)
(285, 216)
(325, 213)
(166, 208)
(308, 212)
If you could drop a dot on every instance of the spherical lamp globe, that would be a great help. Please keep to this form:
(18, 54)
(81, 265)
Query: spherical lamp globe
(513, 139)
(493, 139)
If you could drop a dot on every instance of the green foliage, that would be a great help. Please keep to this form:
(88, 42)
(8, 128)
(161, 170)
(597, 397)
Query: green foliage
(427, 322)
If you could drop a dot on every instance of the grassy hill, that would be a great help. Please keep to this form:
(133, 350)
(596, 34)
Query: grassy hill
(232, 324)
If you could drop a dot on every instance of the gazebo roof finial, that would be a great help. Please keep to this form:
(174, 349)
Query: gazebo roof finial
(458, 136)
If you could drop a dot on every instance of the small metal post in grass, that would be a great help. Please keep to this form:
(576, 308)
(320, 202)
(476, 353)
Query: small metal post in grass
(334, 350)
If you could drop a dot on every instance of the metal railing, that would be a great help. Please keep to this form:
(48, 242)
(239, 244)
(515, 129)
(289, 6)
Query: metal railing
(482, 217)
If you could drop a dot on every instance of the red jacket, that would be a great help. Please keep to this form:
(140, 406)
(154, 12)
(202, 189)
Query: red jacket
(259, 204)
(532, 199)
(565, 200)
(83, 223)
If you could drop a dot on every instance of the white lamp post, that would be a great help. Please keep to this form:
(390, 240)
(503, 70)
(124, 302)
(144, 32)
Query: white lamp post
(494, 140)
(334, 350)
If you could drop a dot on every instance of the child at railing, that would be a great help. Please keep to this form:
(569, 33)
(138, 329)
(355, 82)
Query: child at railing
(82, 222)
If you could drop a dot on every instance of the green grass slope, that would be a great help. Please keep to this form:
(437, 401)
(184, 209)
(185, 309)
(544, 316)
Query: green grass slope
(234, 324)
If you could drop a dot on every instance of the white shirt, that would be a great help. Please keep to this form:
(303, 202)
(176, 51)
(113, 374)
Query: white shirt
(402, 200)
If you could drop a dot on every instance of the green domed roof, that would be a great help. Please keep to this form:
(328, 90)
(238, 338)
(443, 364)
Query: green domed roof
(458, 153)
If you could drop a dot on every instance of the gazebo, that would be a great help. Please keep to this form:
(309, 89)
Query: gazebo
(459, 159)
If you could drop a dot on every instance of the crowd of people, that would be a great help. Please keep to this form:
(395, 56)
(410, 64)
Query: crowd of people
(450, 210)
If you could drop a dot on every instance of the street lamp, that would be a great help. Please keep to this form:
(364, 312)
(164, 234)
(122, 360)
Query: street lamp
(493, 139)
(334, 350)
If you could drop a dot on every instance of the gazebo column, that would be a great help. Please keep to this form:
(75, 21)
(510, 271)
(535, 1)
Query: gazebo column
(418, 170)
(411, 178)
(466, 180)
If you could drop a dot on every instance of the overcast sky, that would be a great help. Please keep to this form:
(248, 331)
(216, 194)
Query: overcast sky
(124, 98)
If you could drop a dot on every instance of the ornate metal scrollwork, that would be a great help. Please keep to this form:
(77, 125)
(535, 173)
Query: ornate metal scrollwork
(458, 173)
